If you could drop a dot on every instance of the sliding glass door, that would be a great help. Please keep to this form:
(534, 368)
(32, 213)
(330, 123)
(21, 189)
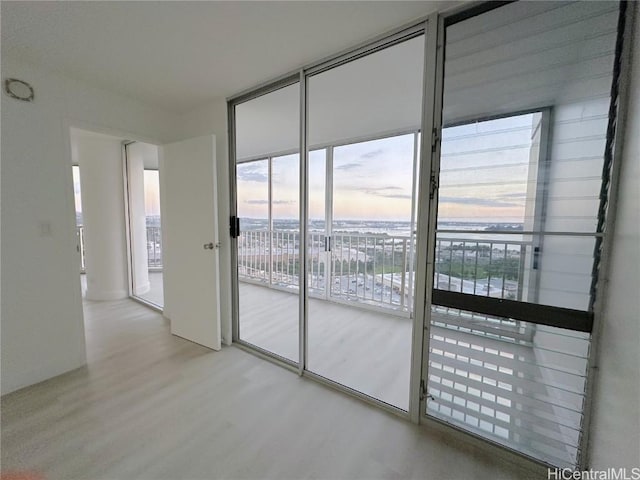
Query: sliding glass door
(366, 114)
(421, 219)
(362, 136)
(268, 211)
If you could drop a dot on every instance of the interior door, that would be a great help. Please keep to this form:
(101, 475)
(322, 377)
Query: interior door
(189, 228)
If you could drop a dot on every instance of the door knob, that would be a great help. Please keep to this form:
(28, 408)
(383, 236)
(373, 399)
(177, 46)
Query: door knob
(211, 245)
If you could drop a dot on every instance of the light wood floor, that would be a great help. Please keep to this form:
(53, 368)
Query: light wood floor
(151, 405)
(155, 294)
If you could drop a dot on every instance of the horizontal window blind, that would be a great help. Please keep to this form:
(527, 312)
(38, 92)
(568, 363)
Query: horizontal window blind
(526, 112)
(517, 383)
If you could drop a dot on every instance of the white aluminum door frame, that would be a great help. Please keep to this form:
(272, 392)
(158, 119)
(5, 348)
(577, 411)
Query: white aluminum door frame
(432, 28)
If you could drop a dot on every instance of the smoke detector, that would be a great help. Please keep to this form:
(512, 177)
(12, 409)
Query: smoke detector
(18, 89)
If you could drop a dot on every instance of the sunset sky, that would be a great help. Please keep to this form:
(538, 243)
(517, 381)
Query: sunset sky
(484, 171)
(371, 180)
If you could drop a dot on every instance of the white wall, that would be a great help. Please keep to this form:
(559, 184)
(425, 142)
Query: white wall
(615, 428)
(212, 119)
(42, 323)
(103, 207)
(136, 155)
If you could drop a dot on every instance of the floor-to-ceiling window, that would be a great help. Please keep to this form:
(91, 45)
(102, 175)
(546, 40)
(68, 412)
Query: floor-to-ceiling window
(366, 113)
(360, 192)
(502, 240)
(267, 205)
(526, 94)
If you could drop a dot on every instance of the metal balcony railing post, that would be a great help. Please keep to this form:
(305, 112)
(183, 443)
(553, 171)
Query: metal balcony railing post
(450, 263)
(349, 267)
(384, 255)
(393, 269)
(364, 271)
(269, 267)
(464, 256)
(403, 280)
(504, 264)
(475, 273)
(341, 264)
(489, 270)
(328, 268)
(411, 273)
(521, 266)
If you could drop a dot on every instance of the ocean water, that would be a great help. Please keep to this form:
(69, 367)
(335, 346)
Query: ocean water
(468, 230)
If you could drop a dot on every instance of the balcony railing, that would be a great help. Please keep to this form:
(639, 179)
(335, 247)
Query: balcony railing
(379, 270)
(154, 247)
(493, 268)
(80, 235)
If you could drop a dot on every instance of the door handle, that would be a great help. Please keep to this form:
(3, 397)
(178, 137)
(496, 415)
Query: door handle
(211, 245)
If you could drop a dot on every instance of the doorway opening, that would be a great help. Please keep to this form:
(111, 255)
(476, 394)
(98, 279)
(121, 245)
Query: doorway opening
(144, 223)
(77, 197)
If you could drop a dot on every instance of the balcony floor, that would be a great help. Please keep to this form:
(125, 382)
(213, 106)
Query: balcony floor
(367, 350)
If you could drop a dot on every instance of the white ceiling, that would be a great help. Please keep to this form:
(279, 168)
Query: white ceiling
(176, 55)
(148, 152)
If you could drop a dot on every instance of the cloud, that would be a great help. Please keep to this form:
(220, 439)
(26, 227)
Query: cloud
(373, 153)
(374, 190)
(266, 202)
(395, 195)
(385, 192)
(485, 202)
(252, 174)
(348, 166)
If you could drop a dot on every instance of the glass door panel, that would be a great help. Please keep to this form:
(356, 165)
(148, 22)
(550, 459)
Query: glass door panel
(267, 203)
(155, 294)
(319, 229)
(285, 210)
(367, 115)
